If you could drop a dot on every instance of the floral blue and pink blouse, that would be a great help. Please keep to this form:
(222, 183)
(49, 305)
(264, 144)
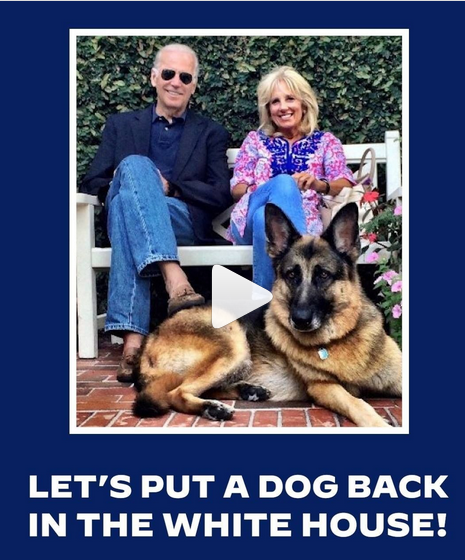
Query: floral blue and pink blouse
(262, 157)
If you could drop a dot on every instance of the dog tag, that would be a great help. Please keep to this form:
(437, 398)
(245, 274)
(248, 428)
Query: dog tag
(323, 353)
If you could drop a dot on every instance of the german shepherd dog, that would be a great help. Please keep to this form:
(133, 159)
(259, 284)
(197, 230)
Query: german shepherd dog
(323, 337)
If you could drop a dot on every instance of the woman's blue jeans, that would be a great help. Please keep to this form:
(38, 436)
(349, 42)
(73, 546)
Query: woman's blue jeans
(144, 227)
(281, 190)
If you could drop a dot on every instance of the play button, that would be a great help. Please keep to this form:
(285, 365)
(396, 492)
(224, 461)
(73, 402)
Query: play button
(234, 296)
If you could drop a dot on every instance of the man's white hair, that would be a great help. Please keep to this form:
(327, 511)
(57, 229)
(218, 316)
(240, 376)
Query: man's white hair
(178, 47)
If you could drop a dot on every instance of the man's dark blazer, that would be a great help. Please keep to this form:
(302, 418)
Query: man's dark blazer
(200, 172)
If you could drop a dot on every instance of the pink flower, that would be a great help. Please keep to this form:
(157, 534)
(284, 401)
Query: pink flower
(372, 258)
(397, 286)
(398, 211)
(387, 276)
(396, 311)
(372, 237)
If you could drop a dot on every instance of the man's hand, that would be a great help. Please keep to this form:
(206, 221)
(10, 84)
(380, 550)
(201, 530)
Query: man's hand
(166, 186)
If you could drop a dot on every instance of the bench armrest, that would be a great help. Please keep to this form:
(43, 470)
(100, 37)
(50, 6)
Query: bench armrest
(393, 165)
(82, 198)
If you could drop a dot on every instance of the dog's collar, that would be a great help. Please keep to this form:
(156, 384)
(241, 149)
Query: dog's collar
(323, 353)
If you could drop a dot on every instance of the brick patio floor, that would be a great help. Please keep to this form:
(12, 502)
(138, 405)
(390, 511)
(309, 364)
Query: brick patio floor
(103, 402)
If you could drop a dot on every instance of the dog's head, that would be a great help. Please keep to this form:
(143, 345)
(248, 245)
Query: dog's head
(316, 277)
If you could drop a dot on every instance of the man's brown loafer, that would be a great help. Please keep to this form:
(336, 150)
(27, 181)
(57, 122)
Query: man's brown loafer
(126, 366)
(184, 300)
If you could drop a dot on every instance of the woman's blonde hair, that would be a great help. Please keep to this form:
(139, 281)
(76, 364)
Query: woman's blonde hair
(299, 87)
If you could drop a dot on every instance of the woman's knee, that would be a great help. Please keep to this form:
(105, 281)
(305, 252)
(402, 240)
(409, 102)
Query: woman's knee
(285, 184)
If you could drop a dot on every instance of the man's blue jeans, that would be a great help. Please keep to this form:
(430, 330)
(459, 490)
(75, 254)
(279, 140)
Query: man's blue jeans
(281, 190)
(144, 227)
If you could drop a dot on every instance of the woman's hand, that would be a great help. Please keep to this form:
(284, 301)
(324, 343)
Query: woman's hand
(239, 191)
(306, 181)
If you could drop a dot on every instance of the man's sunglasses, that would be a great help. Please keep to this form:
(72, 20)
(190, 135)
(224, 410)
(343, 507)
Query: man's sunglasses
(185, 77)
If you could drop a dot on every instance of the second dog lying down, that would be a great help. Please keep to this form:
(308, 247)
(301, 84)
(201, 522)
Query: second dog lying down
(323, 337)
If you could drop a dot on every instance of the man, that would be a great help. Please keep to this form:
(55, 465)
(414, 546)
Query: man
(162, 174)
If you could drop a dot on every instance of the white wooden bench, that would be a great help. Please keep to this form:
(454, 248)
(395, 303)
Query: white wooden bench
(91, 259)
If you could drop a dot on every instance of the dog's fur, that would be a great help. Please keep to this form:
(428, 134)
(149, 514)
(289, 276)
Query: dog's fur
(318, 308)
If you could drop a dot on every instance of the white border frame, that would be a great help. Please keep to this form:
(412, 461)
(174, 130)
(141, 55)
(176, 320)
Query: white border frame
(74, 34)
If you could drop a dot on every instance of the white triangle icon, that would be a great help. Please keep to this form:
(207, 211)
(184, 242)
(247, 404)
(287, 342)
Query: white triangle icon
(234, 296)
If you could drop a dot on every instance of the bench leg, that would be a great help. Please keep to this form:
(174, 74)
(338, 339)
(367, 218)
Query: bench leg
(86, 283)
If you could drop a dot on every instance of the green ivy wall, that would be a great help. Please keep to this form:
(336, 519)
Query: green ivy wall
(357, 80)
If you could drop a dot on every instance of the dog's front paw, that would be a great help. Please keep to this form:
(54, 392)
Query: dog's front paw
(249, 392)
(216, 410)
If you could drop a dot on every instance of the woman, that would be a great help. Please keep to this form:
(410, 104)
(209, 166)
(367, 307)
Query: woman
(287, 162)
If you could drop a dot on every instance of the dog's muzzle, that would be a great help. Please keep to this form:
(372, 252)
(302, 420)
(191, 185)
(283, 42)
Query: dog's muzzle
(304, 320)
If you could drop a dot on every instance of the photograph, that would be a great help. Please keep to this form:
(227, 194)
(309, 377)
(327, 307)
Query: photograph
(237, 216)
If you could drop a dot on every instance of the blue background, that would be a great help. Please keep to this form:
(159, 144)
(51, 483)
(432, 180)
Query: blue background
(35, 178)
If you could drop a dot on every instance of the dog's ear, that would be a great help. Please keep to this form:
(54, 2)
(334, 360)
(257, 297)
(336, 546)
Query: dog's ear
(342, 233)
(280, 231)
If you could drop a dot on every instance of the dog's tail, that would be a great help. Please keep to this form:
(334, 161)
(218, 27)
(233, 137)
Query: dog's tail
(153, 399)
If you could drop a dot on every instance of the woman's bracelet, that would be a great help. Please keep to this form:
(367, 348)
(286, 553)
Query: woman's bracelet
(328, 187)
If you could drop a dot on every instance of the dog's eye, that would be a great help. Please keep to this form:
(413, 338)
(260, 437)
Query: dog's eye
(322, 274)
(293, 275)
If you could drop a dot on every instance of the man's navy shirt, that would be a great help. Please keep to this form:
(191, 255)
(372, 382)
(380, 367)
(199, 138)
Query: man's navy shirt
(164, 142)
